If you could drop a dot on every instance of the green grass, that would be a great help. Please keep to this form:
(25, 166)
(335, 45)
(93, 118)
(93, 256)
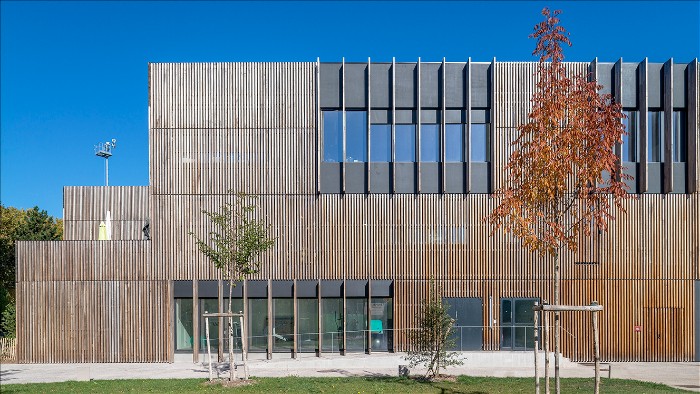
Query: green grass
(464, 384)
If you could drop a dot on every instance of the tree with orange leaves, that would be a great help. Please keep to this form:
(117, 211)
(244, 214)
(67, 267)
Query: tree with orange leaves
(556, 184)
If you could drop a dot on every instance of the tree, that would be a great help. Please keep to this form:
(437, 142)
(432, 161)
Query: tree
(556, 184)
(433, 337)
(238, 238)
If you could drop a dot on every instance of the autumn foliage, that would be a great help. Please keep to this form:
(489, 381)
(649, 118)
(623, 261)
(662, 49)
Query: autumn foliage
(563, 177)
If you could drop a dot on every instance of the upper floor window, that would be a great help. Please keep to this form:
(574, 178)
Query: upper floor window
(479, 143)
(333, 136)
(430, 142)
(405, 142)
(380, 143)
(355, 136)
(454, 141)
(655, 136)
(680, 135)
(629, 140)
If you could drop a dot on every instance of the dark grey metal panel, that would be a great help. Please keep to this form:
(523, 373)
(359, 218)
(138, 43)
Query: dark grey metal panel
(380, 177)
(380, 116)
(654, 84)
(631, 170)
(405, 85)
(605, 77)
(643, 119)
(182, 288)
(454, 177)
(455, 116)
(430, 177)
(331, 178)
(406, 116)
(479, 115)
(355, 178)
(479, 181)
(282, 288)
(356, 288)
(468, 316)
(331, 288)
(237, 289)
(629, 85)
(330, 85)
(454, 85)
(307, 289)
(429, 115)
(355, 85)
(654, 178)
(668, 126)
(679, 178)
(208, 289)
(257, 288)
(480, 85)
(381, 288)
(430, 90)
(697, 320)
(692, 124)
(405, 177)
(380, 85)
(680, 86)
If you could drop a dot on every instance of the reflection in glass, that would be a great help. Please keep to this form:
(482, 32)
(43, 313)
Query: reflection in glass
(332, 324)
(430, 142)
(478, 143)
(236, 307)
(356, 326)
(454, 140)
(283, 327)
(209, 305)
(183, 324)
(405, 143)
(333, 136)
(655, 137)
(629, 140)
(381, 323)
(381, 143)
(516, 323)
(680, 136)
(307, 321)
(257, 323)
(356, 136)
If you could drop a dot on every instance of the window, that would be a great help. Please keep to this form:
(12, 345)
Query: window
(333, 136)
(479, 143)
(283, 325)
(516, 323)
(454, 140)
(405, 143)
(430, 142)
(680, 135)
(183, 324)
(355, 136)
(655, 136)
(629, 140)
(257, 324)
(332, 324)
(381, 143)
(381, 323)
(356, 324)
(307, 320)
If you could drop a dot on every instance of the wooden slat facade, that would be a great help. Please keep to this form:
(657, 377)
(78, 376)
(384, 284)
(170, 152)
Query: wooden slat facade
(254, 127)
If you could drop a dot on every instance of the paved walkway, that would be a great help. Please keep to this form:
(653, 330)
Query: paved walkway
(501, 364)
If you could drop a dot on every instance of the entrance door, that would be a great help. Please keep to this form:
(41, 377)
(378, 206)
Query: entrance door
(662, 339)
(516, 323)
(468, 315)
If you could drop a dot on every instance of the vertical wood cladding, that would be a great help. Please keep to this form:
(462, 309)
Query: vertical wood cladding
(84, 207)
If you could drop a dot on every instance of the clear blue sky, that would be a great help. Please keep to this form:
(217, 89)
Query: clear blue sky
(75, 73)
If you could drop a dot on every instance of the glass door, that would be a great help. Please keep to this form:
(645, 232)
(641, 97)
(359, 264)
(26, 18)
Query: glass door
(517, 320)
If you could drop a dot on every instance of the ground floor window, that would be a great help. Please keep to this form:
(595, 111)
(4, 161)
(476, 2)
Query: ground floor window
(381, 323)
(307, 323)
(184, 329)
(516, 323)
(356, 326)
(332, 324)
(283, 327)
(257, 324)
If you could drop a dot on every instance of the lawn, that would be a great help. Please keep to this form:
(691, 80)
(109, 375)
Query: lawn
(463, 384)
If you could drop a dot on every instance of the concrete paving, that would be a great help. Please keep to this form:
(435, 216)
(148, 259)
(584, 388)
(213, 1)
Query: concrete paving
(500, 364)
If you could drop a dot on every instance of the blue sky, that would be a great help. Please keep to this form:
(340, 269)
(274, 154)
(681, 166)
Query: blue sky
(73, 74)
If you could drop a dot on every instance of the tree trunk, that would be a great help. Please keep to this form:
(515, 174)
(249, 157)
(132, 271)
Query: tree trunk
(231, 363)
(557, 323)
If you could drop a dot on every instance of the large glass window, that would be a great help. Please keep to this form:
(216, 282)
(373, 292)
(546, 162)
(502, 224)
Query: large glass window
(655, 136)
(479, 143)
(209, 305)
(405, 143)
(381, 143)
(332, 324)
(454, 140)
(381, 323)
(258, 324)
(356, 327)
(629, 140)
(307, 321)
(680, 137)
(333, 136)
(236, 307)
(183, 324)
(430, 142)
(283, 327)
(516, 323)
(356, 136)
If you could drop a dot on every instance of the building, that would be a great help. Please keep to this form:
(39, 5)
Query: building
(375, 178)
